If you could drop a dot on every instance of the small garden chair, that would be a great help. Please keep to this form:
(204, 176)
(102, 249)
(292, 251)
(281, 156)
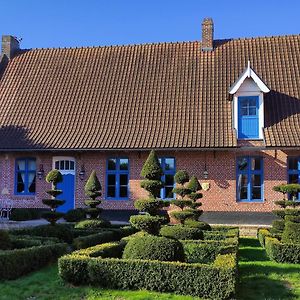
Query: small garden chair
(5, 208)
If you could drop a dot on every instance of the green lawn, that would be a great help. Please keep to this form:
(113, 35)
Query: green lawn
(259, 279)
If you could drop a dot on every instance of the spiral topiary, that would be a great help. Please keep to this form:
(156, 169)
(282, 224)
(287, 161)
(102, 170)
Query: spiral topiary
(54, 177)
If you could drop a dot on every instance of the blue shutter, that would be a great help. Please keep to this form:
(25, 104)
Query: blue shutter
(248, 117)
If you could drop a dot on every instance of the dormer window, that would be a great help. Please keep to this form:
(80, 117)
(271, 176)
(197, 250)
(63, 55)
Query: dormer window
(248, 105)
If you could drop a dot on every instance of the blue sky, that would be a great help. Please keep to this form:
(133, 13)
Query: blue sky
(73, 23)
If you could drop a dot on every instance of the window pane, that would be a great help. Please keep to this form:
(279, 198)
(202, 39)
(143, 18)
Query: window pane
(21, 183)
(242, 163)
(21, 165)
(243, 186)
(293, 163)
(252, 111)
(111, 191)
(72, 165)
(244, 111)
(57, 165)
(62, 165)
(256, 193)
(169, 164)
(111, 164)
(31, 182)
(67, 165)
(123, 179)
(252, 102)
(31, 165)
(169, 180)
(111, 179)
(123, 164)
(123, 192)
(256, 163)
(169, 193)
(256, 180)
(293, 178)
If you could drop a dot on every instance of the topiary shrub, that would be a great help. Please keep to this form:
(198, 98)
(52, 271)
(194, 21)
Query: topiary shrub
(59, 231)
(75, 215)
(150, 222)
(20, 214)
(181, 232)
(151, 247)
(93, 223)
(5, 242)
(277, 227)
(291, 233)
(52, 216)
(197, 224)
(147, 223)
(93, 190)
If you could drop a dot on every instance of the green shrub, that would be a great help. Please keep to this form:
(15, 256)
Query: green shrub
(151, 169)
(137, 234)
(183, 215)
(277, 227)
(262, 233)
(150, 224)
(154, 248)
(216, 281)
(181, 177)
(92, 223)
(280, 213)
(197, 224)
(5, 242)
(15, 263)
(103, 250)
(20, 214)
(206, 252)
(94, 239)
(221, 233)
(59, 231)
(181, 232)
(75, 215)
(291, 233)
(150, 206)
(282, 252)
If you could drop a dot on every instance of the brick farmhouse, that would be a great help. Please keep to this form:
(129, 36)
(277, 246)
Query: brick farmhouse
(227, 111)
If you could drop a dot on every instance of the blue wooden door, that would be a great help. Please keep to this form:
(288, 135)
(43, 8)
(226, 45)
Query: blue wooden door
(67, 168)
(248, 118)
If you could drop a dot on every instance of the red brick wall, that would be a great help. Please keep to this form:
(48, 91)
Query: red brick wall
(220, 165)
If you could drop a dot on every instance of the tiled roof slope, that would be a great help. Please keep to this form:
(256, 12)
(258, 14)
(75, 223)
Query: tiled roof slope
(169, 95)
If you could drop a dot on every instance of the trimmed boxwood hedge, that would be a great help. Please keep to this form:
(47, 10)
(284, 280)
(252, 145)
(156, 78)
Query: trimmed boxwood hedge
(282, 252)
(216, 281)
(181, 232)
(15, 263)
(262, 233)
(221, 233)
(94, 239)
(207, 251)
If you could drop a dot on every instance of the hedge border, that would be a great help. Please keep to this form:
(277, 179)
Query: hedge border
(18, 262)
(216, 281)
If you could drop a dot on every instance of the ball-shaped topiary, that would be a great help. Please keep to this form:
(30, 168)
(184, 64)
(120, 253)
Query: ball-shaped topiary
(150, 206)
(291, 233)
(181, 232)
(154, 248)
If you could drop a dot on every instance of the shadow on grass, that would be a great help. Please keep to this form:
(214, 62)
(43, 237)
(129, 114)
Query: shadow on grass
(258, 275)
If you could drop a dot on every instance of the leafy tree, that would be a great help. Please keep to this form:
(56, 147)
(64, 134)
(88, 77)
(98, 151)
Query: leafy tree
(54, 177)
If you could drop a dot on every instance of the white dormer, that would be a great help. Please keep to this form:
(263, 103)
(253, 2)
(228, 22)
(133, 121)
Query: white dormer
(248, 105)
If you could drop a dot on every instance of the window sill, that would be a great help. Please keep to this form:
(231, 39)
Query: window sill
(250, 201)
(116, 199)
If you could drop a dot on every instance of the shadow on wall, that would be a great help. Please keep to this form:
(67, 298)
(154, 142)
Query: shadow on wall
(16, 137)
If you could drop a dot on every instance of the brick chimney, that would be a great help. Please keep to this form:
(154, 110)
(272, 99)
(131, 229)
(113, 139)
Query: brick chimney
(10, 45)
(207, 34)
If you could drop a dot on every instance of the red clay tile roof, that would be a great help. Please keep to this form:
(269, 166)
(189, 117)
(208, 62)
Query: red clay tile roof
(169, 95)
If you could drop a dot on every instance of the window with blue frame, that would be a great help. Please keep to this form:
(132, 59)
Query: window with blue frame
(294, 173)
(25, 176)
(248, 117)
(249, 179)
(117, 178)
(169, 170)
